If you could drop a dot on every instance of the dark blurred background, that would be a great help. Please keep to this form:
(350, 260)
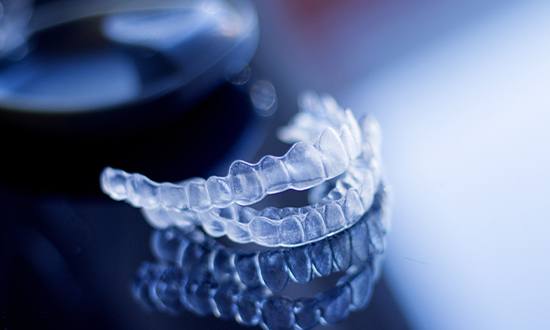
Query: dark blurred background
(182, 88)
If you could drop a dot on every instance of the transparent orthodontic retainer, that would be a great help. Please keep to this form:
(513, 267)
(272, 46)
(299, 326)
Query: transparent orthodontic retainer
(195, 272)
(333, 146)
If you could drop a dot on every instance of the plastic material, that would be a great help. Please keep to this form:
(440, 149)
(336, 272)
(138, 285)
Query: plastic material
(353, 156)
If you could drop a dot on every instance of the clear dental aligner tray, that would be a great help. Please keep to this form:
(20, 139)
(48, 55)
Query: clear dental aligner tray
(198, 274)
(198, 253)
(332, 146)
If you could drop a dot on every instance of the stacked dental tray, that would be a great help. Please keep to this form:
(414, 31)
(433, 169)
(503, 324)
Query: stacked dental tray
(341, 231)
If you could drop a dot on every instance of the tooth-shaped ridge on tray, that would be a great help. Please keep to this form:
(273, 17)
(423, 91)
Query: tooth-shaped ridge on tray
(246, 182)
(213, 225)
(359, 238)
(333, 153)
(219, 191)
(179, 218)
(353, 206)
(275, 173)
(270, 212)
(238, 232)
(376, 236)
(288, 212)
(349, 143)
(265, 231)
(227, 213)
(341, 250)
(173, 196)
(113, 183)
(142, 191)
(246, 215)
(198, 195)
(368, 189)
(291, 231)
(314, 226)
(371, 131)
(354, 128)
(304, 165)
(334, 217)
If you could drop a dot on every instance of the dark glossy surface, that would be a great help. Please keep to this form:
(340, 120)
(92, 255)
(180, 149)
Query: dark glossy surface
(69, 263)
(185, 146)
(69, 253)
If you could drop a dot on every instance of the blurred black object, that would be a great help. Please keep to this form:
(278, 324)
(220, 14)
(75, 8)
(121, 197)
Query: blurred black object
(68, 253)
(115, 84)
(93, 68)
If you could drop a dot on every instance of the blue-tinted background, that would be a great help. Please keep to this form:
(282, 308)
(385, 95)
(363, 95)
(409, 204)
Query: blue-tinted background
(461, 91)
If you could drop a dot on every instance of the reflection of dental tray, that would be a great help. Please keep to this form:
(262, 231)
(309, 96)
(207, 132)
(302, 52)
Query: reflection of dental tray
(196, 273)
(351, 156)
